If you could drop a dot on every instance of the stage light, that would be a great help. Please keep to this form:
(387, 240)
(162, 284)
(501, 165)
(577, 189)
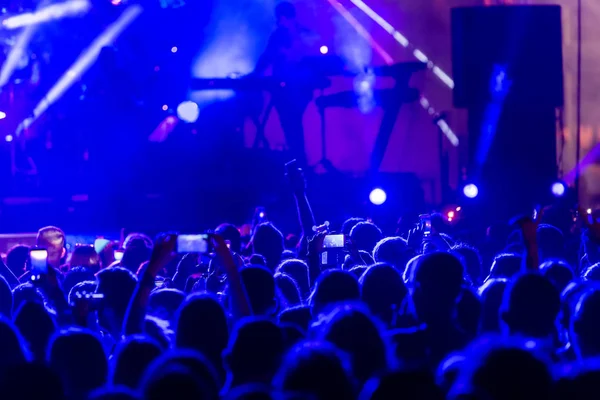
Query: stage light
(558, 189)
(451, 214)
(174, 49)
(188, 111)
(471, 190)
(589, 211)
(9, 138)
(458, 209)
(2, 115)
(115, 2)
(377, 196)
(50, 13)
(261, 215)
(324, 49)
(83, 63)
(165, 107)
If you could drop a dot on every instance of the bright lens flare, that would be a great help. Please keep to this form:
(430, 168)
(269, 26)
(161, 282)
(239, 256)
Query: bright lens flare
(471, 191)
(377, 196)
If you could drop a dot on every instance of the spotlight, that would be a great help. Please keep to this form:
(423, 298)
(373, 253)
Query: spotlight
(115, 2)
(2, 115)
(451, 214)
(174, 49)
(377, 196)
(471, 191)
(324, 49)
(188, 111)
(9, 138)
(558, 189)
(589, 211)
(165, 107)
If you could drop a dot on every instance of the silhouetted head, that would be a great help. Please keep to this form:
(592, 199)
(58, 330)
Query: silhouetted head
(350, 328)
(164, 303)
(31, 381)
(506, 265)
(394, 251)
(78, 357)
(585, 331)
(117, 285)
(85, 256)
(349, 224)
(232, 234)
(569, 298)
(82, 287)
(16, 259)
(333, 286)
(530, 306)
(502, 371)
(298, 270)
(299, 316)
(412, 384)
(254, 352)
(26, 292)
(260, 288)
(551, 242)
(383, 291)
(138, 248)
(202, 326)
(285, 12)
(131, 359)
(468, 311)
(257, 259)
(268, 241)
(471, 261)
(52, 239)
(436, 281)
(37, 327)
(75, 276)
(365, 235)
(491, 294)
(114, 393)
(287, 288)
(316, 370)
(558, 272)
(180, 374)
(6, 298)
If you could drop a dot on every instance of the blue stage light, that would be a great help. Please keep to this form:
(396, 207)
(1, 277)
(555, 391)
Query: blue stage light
(188, 111)
(377, 196)
(558, 189)
(471, 190)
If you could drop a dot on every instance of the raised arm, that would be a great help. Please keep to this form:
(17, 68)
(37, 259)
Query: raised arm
(305, 214)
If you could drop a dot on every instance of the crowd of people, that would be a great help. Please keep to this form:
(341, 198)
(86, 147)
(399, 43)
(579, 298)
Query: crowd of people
(417, 315)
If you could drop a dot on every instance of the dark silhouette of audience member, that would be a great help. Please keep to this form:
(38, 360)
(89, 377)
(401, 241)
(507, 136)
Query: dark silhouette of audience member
(37, 327)
(114, 393)
(472, 262)
(394, 251)
(77, 356)
(491, 294)
(75, 276)
(468, 312)
(333, 286)
(298, 270)
(117, 285)
(254, 353)
(16, 259)
(530, 306)
(558, 272)
(6, 298)
(257, 259)
(12, 347)
(287, 288)
(299, 316)
(349, 224)
(85, 256)
(202, 326)
(383, 291)
(260, 288)
(232, 234)
(268, 241)
(410, 384)
(26, 292)
(31, 381)
(138, 248)
(131, 359)
(585, 330)
(82, 287)
(365, 236)
(52, 239)
(351, 329)
(500, 371)
(505, 266)
(180, 374)
(316, 370)
(164, 303)
(551, 242)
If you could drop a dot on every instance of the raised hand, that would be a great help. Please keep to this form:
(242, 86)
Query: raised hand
(163, 253)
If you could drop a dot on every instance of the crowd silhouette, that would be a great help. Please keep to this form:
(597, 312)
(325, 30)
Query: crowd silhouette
(415, 315)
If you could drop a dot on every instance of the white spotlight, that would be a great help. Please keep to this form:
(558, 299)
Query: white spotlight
(377, 196)
(471, 191)
(174, 49)
(558, 189)
(188, 111)
(52, 12)
(2, 115)
(324, 49)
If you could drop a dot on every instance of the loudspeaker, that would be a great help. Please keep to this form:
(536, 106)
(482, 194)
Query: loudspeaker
(526, 41)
